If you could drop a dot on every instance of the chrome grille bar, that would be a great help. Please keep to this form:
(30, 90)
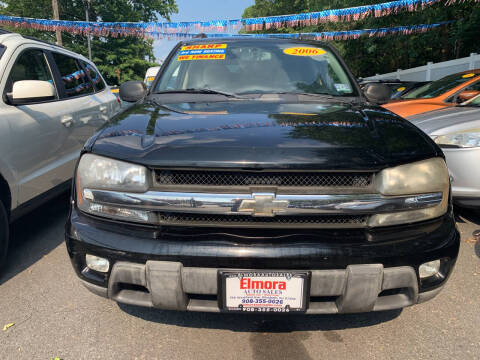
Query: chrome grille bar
(263, 204)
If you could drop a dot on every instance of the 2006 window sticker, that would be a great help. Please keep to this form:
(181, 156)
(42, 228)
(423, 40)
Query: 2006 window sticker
(304, 51)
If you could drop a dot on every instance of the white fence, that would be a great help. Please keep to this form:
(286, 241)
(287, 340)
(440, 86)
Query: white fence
(432, 71)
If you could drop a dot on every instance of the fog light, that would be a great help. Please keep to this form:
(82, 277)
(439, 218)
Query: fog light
(428, 269)
(97, 263)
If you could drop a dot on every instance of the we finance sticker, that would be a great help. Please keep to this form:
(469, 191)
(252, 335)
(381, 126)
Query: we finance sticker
(202, 52)
(304, 51)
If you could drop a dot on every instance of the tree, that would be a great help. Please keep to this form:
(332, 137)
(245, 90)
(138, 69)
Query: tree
(126, 58)
(274, 7)
(367, 56)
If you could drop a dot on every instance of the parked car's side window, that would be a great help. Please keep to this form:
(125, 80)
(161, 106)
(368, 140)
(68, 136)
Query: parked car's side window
(473, 87)
(470, 91)
(30, 65)
(95, 76)
(74, 78)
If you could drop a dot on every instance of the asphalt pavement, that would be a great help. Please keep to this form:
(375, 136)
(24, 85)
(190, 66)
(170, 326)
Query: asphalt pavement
(55, 316)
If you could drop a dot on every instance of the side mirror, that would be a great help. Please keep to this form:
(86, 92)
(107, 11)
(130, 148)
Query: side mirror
(377, 93)
(466, 95)
(132, 91)
(31, 91)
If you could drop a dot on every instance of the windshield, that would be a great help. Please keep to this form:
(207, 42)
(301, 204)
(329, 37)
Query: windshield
(438, 87)
(246, 66)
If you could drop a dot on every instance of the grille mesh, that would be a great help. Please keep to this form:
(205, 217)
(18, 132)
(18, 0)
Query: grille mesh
(245, 178)
(232, 220)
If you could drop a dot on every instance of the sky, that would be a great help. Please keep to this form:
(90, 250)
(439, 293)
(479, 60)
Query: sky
(191, 10)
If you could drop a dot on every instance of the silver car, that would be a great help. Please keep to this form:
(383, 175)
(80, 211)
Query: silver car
(52, 101)
(457, 131)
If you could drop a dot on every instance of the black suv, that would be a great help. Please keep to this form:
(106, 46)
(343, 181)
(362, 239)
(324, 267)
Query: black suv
(255, 176)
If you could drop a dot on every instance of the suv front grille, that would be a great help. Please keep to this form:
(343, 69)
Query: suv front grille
(251, 178)
(321, 221)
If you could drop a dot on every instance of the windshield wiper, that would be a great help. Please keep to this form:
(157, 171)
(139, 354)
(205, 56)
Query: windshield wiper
(352, 100)
(305, 93)
(260, 93)
(324, 96)
(196, 91)
(317, 95)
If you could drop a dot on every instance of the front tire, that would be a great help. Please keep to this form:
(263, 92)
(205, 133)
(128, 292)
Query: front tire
(3, 235)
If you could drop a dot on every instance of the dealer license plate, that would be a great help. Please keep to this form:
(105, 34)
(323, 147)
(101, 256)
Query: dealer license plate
(264, 291)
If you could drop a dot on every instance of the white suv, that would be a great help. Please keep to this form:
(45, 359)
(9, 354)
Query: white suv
(53, 100)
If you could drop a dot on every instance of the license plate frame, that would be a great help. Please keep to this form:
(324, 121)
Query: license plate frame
(223, 275)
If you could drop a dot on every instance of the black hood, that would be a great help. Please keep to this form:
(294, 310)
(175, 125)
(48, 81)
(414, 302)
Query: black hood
(263, 134)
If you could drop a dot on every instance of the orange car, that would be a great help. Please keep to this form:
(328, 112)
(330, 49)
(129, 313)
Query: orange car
(448, 91)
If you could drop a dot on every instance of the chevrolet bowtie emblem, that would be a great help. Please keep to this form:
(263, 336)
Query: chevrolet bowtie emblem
(263, 205)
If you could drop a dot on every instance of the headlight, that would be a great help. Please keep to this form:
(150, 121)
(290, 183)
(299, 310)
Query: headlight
(462, 139)
(98, 172)
(423, 177)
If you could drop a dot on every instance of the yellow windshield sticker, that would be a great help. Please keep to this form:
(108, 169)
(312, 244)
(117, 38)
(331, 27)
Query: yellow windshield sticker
(304, 51)
(204, 47)
(202, 52)
(465, 76)
(401, 88)
(202, 57)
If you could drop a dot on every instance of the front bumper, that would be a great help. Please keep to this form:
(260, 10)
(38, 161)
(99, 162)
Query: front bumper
(169, 285)
(352, 271)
